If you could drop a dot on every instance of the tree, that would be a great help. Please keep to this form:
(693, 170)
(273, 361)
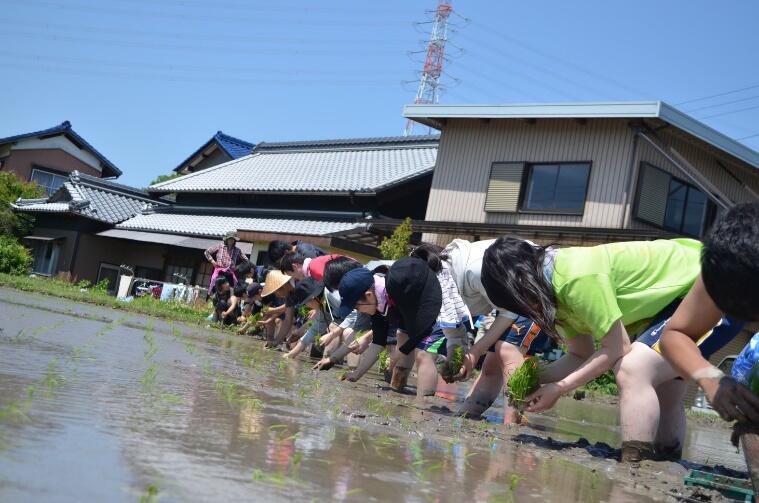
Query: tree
(11, 188)
(396, 246)
(164, 178)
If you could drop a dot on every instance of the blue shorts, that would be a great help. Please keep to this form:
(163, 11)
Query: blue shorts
(527, 336)
(711, 342)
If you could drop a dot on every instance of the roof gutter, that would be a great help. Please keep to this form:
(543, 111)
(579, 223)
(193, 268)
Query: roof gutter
(253, 212)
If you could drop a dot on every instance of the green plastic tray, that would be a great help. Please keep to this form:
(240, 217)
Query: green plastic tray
(730, 487)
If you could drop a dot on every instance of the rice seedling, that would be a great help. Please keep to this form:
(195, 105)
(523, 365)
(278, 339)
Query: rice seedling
(524, 381)
(384, 360)
(150, 495)
(53, 377)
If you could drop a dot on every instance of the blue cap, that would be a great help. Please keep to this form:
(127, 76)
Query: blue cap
(352, 287)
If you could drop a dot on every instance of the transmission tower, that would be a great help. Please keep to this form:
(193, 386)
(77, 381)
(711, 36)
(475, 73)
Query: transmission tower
(429, 81)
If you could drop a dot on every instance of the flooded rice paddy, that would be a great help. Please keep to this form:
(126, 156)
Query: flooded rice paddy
(101, 405)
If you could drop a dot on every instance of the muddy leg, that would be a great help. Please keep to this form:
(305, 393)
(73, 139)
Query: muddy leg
(512, 358)
(426, 381)
(638, 373)
(671, 433)
(402, 368)
(485, 389)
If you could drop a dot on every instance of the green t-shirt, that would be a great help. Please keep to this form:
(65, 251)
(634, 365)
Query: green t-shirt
(634, 281)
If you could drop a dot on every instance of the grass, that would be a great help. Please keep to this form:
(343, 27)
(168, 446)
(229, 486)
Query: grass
(605, 384)
(143, 305)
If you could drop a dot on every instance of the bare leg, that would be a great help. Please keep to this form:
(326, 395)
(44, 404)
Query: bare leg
(426, 381)
(485, 389)
(670, 436)
(512, 358)
(638, 374)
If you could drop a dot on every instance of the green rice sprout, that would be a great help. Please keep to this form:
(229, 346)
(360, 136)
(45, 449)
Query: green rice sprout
(384, 360)
(524, 381)
(457, 359)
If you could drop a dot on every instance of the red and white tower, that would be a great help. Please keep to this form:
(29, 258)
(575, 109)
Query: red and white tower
(429, 81)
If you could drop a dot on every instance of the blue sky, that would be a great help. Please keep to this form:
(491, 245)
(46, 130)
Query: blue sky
(147, 82)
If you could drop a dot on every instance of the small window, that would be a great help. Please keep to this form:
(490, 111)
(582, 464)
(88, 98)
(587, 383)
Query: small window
(50, 182)
(671, 203)
(556, 188)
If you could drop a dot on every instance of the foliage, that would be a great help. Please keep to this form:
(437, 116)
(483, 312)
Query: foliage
(11, 188)
(101, 287)
(605, 384)
(164, 178)
(524, 381)
(396, 246)
(457, 359)
(14, 257)
(384, 360)
(144, 305)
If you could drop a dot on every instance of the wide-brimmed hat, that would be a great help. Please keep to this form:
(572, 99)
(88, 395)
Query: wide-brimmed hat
(306, 290)
(231, 234)
(417, 295)
(274, 281)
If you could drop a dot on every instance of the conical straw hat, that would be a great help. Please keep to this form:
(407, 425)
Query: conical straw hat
(274, 281)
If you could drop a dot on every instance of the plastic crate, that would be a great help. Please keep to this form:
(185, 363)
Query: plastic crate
(730, 487)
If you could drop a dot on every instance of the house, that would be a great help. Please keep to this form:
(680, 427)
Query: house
(219, 149)
(581, 173)
(48, 156)
(321, 191)
(65, 236)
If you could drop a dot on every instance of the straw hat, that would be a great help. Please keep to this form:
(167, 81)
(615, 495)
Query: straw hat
(274, 281)
(231, 235)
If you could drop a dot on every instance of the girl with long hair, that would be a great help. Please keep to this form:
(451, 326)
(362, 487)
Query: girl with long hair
(593, 299)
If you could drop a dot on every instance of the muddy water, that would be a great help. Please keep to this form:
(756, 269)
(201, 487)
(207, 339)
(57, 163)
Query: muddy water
(97, 405)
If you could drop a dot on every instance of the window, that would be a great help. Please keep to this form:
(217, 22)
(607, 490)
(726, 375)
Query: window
(204, 274)
(111, 273)
(183, 274)
(46, 255)
(556, 188)
(48, 181)
(671, 203)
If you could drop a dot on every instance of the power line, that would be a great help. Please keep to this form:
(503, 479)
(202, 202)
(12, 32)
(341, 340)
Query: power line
(729, 112)
(747, 137)
(723, 104)
(733, 91)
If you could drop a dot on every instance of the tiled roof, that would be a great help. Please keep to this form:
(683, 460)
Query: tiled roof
(349, 142)
(93, 198)
(234, 147)
(65, 128)
(217, 226)
(333, 169)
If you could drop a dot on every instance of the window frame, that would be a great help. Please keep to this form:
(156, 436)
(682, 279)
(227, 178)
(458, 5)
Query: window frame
(526, 180)
(50, 172)
(112, 267)
(710, 211)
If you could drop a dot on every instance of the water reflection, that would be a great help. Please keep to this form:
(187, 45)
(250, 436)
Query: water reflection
(218, 418)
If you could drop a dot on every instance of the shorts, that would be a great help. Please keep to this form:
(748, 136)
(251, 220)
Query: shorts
(435, 342)
(527, 336)
(711, 342)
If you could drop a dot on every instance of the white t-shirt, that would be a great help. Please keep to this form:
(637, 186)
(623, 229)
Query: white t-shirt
(465, 259)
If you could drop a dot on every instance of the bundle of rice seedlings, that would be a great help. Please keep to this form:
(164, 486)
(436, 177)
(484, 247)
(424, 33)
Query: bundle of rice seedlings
(450, 366)
(384, 360)
(524, 381)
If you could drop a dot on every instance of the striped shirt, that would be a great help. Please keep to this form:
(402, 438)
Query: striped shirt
(453, 310)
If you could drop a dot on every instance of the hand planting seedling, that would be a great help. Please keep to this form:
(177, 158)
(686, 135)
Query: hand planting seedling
(524, 381)
(450, 367)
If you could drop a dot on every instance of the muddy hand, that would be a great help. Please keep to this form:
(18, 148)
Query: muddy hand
(466, 368)
(544, 398)
(324, 364)
(731, 400)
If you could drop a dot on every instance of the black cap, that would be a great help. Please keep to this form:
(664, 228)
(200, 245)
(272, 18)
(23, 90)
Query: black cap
(416, 293)
(305, 290)
(352, 287)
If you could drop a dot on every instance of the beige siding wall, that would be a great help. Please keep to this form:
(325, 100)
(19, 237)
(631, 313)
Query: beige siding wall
(468, 149)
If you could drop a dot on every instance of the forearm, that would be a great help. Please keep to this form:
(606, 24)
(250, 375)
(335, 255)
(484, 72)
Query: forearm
(496, 330)
(285, 327)
(683, 354)
(368, 359)
(561, 368)
(600, 362)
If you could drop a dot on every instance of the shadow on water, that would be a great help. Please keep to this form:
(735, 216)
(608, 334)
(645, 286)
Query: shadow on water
(144, 410)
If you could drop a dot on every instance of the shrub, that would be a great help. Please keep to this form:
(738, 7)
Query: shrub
(396, 246)
(14, 257)
(11, 188)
